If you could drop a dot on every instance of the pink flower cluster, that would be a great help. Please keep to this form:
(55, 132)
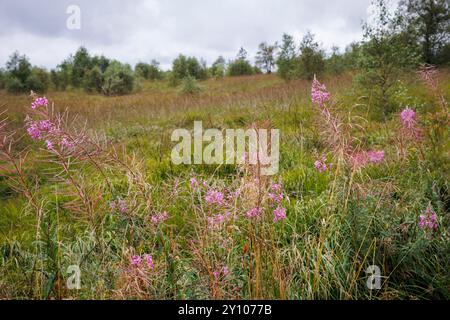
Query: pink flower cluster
(38, 102)
(279, 214)
(47, 130)
(407, 117)
(214, 197)
(362, 158)
(319, 93)
(136, 261)
(320, 164)
(375, 156)
(409, 123)
(119, 205)
(194, 183)
(37, 129)
(254, 212)
(428, 220)
(223, 272)
(218, 219)
(159, 218)
(276, 197)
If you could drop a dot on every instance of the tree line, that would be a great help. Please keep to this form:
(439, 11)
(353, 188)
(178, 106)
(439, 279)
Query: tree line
(417, 32)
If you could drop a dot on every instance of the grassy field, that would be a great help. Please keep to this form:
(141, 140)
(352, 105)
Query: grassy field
(140, 227)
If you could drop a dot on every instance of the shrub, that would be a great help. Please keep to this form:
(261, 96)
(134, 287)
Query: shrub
(190, 86)
(218, 68)
(386, 52)
(2, 79)
(38, 81)
(286, 60)
(311, 59)
(148, 71)
(93, 81)
(240, 66)
(118, 79)
(183, 67)
(14, 85)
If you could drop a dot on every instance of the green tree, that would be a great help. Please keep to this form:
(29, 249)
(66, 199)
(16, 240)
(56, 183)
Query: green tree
(18, 67)
(61, 76)
(430, 21)
(101, 62)
(183, 66)
(2, 79)
(81, 64)
(286, 60)
(311, 58)
(386, 52)
(218, 67)
(93, 80)
(190, 86)
(118, 79)
(240, 66)
(39, 80)
(148, 71)
(265, 57)
(335, 64)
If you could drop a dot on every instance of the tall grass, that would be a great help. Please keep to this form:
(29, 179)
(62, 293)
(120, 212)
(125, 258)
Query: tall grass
(109, 200)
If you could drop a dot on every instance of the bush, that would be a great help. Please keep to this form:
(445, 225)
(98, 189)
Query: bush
(190, 86)
(183, 67)
(38, 81)
(387, 51)
(311, 59)
(240, 67)
(287, 58)
(2, 79)
(148, 71)
(14, 85)
(118, 79)
(93, 81)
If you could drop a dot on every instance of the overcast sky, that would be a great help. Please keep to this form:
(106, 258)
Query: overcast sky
(142, 30)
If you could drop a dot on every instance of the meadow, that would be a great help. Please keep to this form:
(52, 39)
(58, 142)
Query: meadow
(356, 188)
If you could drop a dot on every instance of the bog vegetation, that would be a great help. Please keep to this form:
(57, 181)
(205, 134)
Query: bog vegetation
(86, 178)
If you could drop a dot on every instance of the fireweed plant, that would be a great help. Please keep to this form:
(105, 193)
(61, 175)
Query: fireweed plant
(310, 232)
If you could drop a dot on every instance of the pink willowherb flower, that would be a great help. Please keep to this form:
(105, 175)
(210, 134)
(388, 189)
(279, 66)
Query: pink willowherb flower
(214, 197)
(407, 117)
(36, 129)
(359, 159)
(149, 261)
(319, 93)
(33, 131)
(275, 187)
(65, 143)
(275, 197)
(218, 219)
(113, 205)
(49, 144)
(428, 220)
(159, 218)
(194, 183)
(320, 164)
(375, 156)
(223, 272)
(279, 214)
(39, 102)
(254, 212)
(122, 206)
(136, 261)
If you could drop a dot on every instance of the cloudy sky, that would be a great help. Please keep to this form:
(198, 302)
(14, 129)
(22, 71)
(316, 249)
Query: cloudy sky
(141, 30)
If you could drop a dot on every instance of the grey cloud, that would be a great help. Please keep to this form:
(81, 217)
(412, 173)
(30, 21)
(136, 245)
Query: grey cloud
(145, 29)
